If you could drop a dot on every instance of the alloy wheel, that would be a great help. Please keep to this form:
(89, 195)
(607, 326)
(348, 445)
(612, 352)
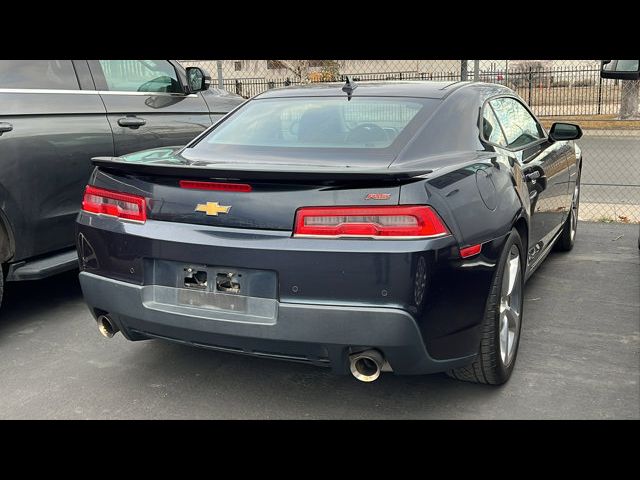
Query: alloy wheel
(575, 203)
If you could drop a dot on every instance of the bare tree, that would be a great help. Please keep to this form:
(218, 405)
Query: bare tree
(312, 70)
(299, 68)
(529, 72)
(330, 70)
(526, 65)
(630, 100)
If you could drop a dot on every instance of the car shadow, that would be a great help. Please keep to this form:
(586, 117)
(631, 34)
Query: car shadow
(23, 300)
(254, 387)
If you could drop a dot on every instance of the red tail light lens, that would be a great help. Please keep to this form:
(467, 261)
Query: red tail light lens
(114, 204)
(217, 186)
(401, 221)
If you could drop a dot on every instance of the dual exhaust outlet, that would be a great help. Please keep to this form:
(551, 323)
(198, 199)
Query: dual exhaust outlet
(365, 366)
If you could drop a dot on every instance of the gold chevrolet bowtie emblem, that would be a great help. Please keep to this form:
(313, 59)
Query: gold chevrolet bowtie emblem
(212, 208)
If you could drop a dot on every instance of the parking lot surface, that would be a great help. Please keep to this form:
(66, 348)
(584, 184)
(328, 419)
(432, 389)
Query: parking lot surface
(579, 358)
(610, 172)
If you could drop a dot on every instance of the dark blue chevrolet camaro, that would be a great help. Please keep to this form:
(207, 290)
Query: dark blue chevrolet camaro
(367, 227)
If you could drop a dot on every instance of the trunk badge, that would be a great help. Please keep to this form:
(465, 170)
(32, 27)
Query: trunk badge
(212, 208)
(378, 196)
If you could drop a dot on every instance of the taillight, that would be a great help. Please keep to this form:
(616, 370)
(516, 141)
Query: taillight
(115, 204)
(216, 186)
(402, 221)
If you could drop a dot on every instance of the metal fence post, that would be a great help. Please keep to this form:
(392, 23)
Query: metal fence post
(506, 73)
(530, 83)
(220, 79)
(464, 69)
(476, 70)
(599, 96)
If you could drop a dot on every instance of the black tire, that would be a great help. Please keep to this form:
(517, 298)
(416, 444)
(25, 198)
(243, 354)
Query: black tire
(490, 367)
(568, 236)
(4, 241)
(1, 283)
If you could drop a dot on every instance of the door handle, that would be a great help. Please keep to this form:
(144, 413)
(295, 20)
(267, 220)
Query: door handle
(532, 176)
(5, 127)
(131, 122)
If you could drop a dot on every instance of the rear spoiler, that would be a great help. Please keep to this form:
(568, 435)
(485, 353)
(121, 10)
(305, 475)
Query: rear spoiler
(255, 172)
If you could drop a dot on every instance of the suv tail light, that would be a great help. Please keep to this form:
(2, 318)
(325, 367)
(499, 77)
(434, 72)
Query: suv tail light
(114, 204)
(402, 221)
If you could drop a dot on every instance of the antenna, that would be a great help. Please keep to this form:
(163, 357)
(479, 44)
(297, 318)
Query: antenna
(349, 87)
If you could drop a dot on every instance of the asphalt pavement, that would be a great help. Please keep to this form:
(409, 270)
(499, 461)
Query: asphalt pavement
(579, 358)
(611, 169)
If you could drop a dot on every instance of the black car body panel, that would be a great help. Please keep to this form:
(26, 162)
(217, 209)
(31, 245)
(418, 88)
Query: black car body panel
(58, 127)
(417, 300)
(44, 165)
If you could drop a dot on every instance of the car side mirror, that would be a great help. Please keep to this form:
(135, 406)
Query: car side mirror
(620, 69)
(564, 131)
(197, 79)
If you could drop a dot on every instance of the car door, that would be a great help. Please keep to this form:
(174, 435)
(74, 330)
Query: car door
(545, 168)
(52, 122)
(146, 104)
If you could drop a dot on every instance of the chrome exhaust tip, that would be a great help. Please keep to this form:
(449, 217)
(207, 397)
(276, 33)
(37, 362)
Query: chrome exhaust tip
(366, 366)
(106, 327)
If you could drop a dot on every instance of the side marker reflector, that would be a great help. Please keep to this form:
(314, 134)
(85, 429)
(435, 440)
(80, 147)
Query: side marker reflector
(467, 252)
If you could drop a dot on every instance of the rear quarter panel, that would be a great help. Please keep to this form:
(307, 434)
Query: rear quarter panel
(479, 190)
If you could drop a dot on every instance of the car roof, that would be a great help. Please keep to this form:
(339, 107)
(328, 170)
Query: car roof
(395, 88)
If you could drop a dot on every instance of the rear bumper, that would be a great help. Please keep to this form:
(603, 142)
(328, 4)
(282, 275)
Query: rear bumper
(318, 334)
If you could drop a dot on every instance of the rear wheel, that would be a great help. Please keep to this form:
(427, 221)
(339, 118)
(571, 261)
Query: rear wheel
(1, 283)
(568, 236)
(502, 320)
(4, 243)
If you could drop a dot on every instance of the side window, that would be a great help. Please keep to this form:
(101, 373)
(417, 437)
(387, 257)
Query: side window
(157, 76)
(46, 74)
(519, 126)
(491, 129)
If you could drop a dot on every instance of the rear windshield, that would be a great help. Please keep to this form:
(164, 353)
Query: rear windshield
(318, 123)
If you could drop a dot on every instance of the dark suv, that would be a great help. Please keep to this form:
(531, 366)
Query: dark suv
(57, 114)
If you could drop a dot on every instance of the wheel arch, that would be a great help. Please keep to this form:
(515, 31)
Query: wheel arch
(7, 241)
(522, 227)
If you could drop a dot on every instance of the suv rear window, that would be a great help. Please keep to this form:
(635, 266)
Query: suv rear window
(317, 122)
(44, 74)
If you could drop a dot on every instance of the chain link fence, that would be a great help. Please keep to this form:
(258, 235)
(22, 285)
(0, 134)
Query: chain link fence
(556, 90)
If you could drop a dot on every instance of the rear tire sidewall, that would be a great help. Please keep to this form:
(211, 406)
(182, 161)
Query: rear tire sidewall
(1, 283)
(503, 372)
